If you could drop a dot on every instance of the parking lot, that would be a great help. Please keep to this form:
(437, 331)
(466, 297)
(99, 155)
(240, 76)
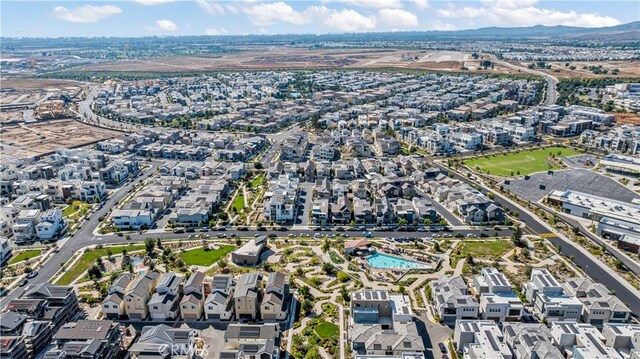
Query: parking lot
(580, 180)
(581, 161)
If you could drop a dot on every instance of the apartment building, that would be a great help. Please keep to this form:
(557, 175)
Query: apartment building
(548, 298)
(479, 339)
(599, 306)
(581, 340)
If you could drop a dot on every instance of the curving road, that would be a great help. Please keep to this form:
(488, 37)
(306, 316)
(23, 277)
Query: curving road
(552, 82)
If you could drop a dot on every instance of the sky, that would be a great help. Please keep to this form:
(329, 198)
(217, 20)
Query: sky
(135, 18)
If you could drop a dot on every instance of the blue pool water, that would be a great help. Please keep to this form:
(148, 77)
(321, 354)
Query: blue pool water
(386, 261)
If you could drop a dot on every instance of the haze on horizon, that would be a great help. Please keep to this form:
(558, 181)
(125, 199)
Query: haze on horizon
(210, 17)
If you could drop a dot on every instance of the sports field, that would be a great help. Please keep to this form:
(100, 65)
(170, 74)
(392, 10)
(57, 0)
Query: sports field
(523, 163)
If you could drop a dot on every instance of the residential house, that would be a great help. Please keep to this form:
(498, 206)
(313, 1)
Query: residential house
(165, 302)
(247, 295)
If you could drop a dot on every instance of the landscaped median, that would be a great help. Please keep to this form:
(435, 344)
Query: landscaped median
(24, 255)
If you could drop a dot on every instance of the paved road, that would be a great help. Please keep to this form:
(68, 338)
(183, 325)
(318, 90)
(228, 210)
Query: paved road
(589, 264)
(552, 82)
(83, 237)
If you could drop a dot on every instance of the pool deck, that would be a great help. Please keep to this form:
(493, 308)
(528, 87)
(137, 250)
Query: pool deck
(428, 266)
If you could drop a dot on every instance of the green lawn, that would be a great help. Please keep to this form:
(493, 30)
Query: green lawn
(89, 258)
(238, 203)
(485, 249)
(327, 330)
(200, 257)
(24, 255)
(257, 181)
(525, 162)
(76, 210)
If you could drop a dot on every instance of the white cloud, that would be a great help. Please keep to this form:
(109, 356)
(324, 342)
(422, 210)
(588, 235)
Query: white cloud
(85, 14)
(397, 18)
(166, 25)
(214, 32)
(523, 13)
(376, 4)
(153, 2)
(350, 21)
(232, 9)
(421, 4)
(211, 6)
(273, 13)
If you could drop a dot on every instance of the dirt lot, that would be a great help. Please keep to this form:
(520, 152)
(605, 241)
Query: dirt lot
(30, 84)
(627, 118)
(628, 69)
(34, 139)
(288, 58)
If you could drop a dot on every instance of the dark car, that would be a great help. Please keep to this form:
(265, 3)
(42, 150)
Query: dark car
(23, 283)
(243, 228)
(190, 230)
(443, 348)
(178, 231)
(262, 228)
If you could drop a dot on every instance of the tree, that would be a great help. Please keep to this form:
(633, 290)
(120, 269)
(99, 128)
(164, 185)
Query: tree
(470, 260)
(436, 247)
(304, 291)
(94, 272)
(328, 269)
(159, 243)
(222, 263)
(516, 237)
(343, 277)
(326, 245)
(313, 353)
(345, 293)
(258, 166)
(307, 306)
(149, 245)
(403, 221)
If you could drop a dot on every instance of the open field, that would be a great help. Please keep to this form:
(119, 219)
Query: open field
(35, 139)
(200, 257)
(24, 255)
(523, 163)
(255, 58)
(37, 84)
(627, 69)
(238, 203)
(89, 258)
(485, 249)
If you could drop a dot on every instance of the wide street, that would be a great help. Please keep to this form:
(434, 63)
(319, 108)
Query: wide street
(552, 82)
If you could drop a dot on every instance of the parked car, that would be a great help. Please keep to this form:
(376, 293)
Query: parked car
(33, 274)
(23, 283)
(443, 348)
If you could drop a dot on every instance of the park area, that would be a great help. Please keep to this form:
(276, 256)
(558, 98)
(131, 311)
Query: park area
(205, 257)
(481, 250)
(521, 163)
(24, 255)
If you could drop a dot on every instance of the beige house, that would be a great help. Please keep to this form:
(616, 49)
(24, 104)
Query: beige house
(138, 295)
(191, 305)
(247, 295)
(113, 305)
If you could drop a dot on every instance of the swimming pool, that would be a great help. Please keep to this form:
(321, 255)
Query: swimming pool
(385, 261)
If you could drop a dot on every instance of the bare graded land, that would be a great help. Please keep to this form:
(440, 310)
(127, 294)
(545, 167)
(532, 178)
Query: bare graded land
(626, 69)
(38, 138)
(37, 84)
(294, 58)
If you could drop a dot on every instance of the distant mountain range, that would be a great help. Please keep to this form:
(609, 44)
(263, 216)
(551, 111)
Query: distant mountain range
(543, 31)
